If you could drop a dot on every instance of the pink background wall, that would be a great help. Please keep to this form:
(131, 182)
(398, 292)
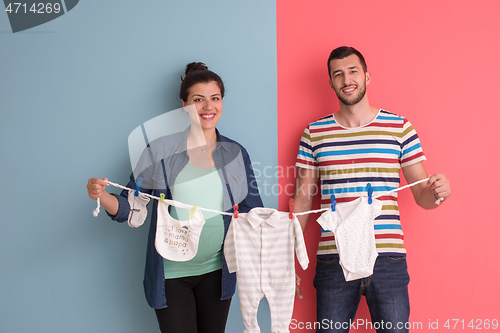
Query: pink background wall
(436, 63)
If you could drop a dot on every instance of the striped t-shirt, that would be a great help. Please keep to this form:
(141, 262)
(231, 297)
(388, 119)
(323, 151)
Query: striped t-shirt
(350, 158)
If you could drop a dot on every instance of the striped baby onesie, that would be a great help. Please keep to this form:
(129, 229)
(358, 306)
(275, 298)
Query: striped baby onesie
(349, 158)
(259, 247)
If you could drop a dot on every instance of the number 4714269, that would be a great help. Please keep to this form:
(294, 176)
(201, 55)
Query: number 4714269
(36, 8)
(477, 324)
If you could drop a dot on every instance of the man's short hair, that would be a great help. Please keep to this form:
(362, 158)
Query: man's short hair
(343, 52)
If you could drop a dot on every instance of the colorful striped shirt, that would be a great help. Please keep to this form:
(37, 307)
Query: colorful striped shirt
(350, 158)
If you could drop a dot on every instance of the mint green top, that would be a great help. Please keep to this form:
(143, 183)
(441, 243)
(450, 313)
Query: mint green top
(203, 188)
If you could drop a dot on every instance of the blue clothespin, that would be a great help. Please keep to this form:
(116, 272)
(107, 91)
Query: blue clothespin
(138, 186)
(334, 202)
(369, 189)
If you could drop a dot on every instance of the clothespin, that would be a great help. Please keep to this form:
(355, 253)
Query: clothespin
(191, 212)
(369, 189)
(235, 208)
(162, 197)
(291, 206)
(138, 186)
(334, 202)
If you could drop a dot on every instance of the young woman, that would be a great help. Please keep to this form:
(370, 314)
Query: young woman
(192, 296)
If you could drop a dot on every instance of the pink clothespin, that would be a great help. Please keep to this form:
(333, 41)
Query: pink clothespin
(235, 208)
(291, 206)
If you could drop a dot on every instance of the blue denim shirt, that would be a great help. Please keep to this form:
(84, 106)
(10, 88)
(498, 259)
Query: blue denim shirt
(234, 167)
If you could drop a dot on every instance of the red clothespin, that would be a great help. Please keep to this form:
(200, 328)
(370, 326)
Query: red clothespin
(235, 208)
(291, 206)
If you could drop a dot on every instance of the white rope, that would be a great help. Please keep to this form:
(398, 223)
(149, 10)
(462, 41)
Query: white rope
(402, 188)
(311, 212)
(96, 211)
(438, 201)
(173, 202)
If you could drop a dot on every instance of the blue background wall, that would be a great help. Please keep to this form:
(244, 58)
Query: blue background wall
(71, 91)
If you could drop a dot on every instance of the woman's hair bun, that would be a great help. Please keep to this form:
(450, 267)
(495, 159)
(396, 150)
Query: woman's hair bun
(197, 72)
(195, 66)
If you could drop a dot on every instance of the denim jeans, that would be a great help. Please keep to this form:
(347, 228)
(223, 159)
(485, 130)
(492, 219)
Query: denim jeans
(386, 293)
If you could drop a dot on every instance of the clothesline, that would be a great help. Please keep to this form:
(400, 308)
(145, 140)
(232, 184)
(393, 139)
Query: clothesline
(172, 202)
(384, 193)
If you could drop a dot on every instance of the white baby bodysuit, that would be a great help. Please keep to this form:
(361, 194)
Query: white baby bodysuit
(259, 247)
(352, 226)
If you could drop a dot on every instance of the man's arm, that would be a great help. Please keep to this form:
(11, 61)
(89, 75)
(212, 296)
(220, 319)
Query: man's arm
(426, 194)
(306, 188)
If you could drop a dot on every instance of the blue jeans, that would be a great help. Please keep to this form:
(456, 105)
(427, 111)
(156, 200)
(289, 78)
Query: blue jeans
(386, 293)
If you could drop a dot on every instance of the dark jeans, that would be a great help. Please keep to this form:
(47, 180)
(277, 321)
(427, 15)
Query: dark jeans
(194, 305)
(386, 293)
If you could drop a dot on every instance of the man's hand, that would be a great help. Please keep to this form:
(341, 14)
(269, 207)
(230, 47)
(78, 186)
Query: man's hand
(440, 186)
(298, 292)
(427, 194)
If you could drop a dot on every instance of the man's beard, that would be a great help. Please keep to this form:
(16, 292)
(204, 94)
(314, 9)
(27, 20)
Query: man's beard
(356, 100)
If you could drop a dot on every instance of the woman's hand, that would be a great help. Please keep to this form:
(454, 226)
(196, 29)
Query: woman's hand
(97, 187)
(97, 190)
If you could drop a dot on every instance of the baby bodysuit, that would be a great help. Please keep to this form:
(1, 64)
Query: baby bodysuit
(352, 226)
(259, 247)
